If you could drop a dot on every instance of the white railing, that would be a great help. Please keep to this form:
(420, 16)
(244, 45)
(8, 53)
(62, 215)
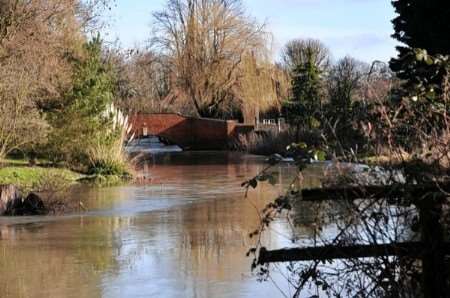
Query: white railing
(270, 124)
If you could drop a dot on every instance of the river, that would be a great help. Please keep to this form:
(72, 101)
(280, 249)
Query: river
(182, 233)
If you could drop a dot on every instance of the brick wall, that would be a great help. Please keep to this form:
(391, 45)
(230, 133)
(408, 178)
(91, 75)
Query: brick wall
(190, 133)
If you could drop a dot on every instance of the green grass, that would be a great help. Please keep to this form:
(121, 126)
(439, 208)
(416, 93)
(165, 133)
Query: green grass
(44, 177)
(36, 178)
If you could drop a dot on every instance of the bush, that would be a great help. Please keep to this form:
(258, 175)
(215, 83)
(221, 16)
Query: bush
(99, 180)
(109, 167)
(89, 131)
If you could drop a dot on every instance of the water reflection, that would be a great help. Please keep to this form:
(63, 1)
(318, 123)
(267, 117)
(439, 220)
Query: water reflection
(183, 235)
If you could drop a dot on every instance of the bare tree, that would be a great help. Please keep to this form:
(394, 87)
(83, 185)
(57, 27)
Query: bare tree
(344, 81)
(144, 81)
(205, 42)
(298, 52)
(21, 124)
(36, 39)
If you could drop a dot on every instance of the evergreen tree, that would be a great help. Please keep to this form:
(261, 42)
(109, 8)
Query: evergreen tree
(304, 106)
(423, 27)
(420, 24)
(94, 83)
(82, 119)
(306, 60)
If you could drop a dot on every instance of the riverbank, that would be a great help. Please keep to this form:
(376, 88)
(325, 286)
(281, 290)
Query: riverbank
(51, 183)
(34, 177)
(37, 178)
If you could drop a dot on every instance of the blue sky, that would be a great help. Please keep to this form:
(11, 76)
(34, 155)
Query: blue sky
(360, 28)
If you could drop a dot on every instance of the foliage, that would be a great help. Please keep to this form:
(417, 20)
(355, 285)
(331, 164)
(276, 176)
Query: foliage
(228, 74)
(304, 108)
(81, 124)
(307, 61)
(104, 180)
(333, 98)
(423, 25)
(345, 79)
(416, 124)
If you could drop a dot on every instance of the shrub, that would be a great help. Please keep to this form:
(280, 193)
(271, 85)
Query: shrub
(87, 130)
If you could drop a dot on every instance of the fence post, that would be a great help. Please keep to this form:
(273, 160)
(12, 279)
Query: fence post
(433, 259)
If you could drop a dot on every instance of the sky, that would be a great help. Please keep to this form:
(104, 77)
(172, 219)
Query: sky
(359, 28)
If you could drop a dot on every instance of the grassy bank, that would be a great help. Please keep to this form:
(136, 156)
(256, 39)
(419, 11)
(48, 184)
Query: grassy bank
(37, 178)
(44, 177)
(52, 183)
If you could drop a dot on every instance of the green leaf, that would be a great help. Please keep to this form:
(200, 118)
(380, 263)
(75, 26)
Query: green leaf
(421, 55)
(319, 155)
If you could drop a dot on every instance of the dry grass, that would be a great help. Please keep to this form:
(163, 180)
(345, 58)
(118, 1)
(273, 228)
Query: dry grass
(107, 155)
(264, 143)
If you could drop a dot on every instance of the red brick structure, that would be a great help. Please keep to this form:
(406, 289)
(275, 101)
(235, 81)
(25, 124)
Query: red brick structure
(187, 132)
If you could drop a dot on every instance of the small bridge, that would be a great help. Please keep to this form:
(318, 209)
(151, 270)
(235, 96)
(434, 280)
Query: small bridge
(188, 132)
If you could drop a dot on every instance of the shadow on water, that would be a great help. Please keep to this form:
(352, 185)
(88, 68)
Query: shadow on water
(185, 234)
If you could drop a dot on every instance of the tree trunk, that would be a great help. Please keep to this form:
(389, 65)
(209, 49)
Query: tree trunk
(9, 198)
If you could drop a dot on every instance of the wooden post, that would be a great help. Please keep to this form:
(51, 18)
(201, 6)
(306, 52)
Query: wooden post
(434, 271)
(9, 199)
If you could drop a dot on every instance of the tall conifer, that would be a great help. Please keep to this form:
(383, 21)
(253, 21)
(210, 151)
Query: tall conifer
(420, 24)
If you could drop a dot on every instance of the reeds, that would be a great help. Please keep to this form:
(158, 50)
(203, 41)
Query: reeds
(264, 143)
(106, 154)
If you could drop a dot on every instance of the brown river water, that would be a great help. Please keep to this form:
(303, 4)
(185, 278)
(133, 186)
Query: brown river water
(182, 234)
